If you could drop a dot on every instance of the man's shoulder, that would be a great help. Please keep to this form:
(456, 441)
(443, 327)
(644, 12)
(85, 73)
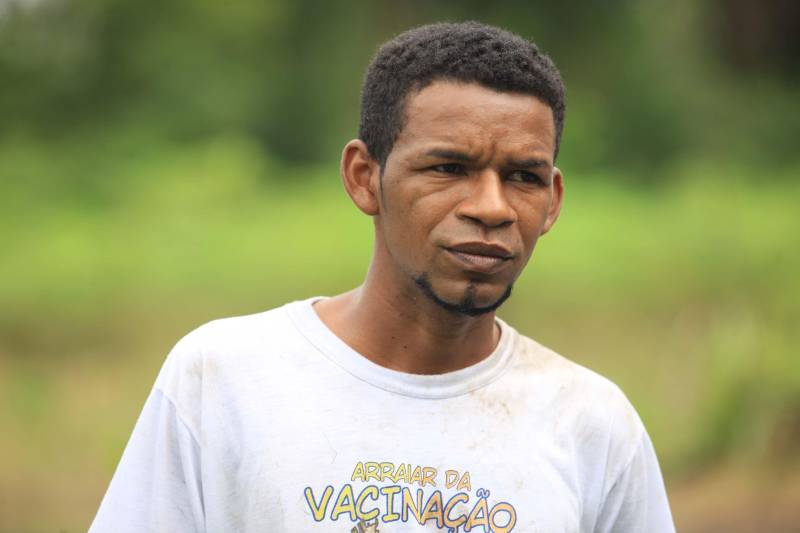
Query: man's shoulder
(536, 359)
(228, 344)
(228, 333)
(580, 395)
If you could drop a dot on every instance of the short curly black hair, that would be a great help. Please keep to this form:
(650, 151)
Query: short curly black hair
(464, 51)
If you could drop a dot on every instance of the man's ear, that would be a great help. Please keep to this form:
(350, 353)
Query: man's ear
(556, 200)
(361, 176)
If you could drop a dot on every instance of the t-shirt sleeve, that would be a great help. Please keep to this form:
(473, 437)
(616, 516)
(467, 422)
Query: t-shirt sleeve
(637, 501)
(157, 484)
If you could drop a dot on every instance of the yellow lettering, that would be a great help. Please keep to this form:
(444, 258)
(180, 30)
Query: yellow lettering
(450, 478)
(318, 510)
(428, 476)
(465, 483)
(372, 471)
(401, 474)
(370, 491)
(416, 476)
(479, 516)
(389, 492)
(358, 472)
(433, 509)
(449, 522)
(344, 504)
(409, 503)
(512, 517)
(386, 471)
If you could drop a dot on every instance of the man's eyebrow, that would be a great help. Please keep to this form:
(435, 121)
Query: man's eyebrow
(453, 155)
(528, 163)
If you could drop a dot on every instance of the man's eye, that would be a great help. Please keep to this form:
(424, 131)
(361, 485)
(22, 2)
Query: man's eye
(450, 168)
(525, 177)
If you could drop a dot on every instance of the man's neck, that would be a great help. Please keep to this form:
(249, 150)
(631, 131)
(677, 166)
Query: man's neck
(405, 330)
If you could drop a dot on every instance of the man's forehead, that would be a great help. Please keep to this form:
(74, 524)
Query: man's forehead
(467, 117)
(457, 93)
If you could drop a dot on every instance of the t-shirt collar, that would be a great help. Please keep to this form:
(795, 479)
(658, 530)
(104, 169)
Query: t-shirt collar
(433, 386)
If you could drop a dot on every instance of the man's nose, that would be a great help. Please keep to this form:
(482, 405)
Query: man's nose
(487, 202)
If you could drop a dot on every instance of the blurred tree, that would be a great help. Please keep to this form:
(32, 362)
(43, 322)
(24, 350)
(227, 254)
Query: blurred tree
(760, 35)
(645, 90)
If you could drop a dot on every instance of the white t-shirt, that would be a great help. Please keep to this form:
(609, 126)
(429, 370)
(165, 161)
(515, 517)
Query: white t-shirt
(271, 423)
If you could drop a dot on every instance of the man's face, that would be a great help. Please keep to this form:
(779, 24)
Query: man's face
(467, 190)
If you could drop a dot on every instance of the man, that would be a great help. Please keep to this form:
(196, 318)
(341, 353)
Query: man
(405, 404)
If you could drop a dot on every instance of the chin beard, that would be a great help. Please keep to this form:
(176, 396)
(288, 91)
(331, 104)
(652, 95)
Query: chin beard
(467, 305)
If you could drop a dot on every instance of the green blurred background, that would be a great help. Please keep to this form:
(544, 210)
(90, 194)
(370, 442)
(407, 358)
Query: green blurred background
(163, 164)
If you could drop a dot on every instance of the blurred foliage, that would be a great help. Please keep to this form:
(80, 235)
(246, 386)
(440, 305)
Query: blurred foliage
(648, 82)
(166, 164)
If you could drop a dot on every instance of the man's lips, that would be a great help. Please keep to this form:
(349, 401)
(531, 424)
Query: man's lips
(480, 256)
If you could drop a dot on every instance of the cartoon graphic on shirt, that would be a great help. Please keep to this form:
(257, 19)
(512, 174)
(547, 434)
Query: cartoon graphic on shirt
(410, 493)
(364, 527)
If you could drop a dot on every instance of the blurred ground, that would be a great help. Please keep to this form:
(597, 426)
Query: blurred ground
(727, 499)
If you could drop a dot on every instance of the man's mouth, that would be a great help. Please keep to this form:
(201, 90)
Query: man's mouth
(480, 256)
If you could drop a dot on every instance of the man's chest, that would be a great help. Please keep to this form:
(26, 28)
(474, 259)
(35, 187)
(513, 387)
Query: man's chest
(337, 464)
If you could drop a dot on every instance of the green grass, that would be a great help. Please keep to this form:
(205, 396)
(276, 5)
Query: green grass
(686, 295)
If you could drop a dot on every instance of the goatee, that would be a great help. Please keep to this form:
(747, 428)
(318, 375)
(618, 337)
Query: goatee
(467, 304)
